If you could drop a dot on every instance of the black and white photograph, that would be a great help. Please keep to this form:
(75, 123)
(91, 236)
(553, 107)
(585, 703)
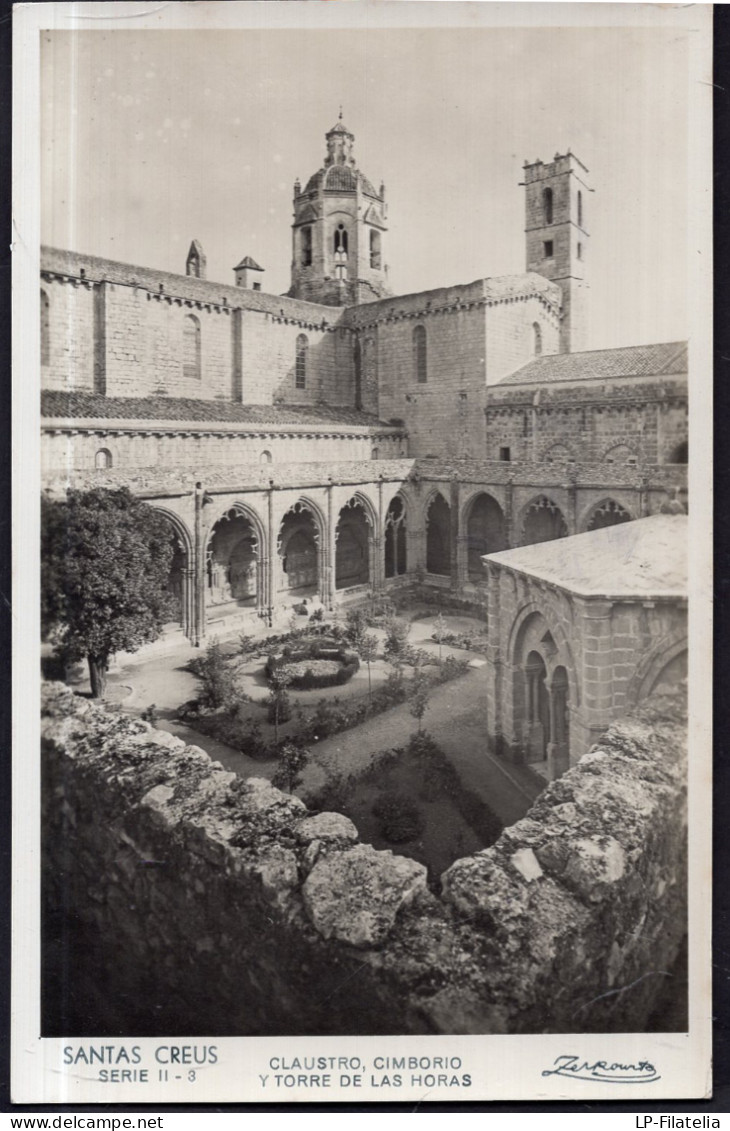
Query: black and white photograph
(360, 349)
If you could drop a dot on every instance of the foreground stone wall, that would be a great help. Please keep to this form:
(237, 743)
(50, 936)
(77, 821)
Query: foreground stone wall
(202, 903)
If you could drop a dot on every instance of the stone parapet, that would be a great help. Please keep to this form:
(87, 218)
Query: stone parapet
(217, 904)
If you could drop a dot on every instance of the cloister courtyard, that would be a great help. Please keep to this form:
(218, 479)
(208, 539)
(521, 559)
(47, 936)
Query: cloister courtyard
(498, 793)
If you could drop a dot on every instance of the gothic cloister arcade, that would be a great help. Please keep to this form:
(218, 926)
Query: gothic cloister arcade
(181, 580)
(232, 561)
(299, 546)
(541, 696)
(542, 521)
(396, 552)
(485, 534)
(607, 513)
(353, 545)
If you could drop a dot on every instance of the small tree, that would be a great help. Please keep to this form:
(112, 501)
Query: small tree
(355, 626)
(418, 695)
(439, 632)
(246, 645)
(292, 760)
(279, 703)
(369, 652)
(105, 569)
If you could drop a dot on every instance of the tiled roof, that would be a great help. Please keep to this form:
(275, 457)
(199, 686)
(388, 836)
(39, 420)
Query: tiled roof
(90, 406)
(340, 178)
(631, 559)
(247, 261)
(663, 359)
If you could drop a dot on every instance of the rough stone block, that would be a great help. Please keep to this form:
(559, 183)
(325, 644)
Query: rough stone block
(354, 896)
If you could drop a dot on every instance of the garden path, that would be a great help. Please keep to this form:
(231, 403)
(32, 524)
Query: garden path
(456, 719)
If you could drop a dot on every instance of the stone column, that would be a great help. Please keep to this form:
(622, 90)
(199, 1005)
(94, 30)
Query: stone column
(188, 603)
(327, 554)
(509, 530)
(454, 533)
(199, 568)
(272, 556)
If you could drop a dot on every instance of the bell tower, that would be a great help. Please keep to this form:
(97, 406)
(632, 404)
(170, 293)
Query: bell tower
(557, 238)
(338, 230)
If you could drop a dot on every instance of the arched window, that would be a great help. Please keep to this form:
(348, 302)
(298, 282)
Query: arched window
(375, 249)
(191, 347)
(580, 209)
(420, 357)
(45, 329)
(547, 204)
(265, 457)
(536, 339)
(300, 365)
(103, 459)
(341, 239)
(306, 245)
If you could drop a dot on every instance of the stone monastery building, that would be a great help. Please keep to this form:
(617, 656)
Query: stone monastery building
(339, 440)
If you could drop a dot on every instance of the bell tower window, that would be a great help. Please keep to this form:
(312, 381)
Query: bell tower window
(340, 239)
(375, 249)
(306, 245)
(547, 204)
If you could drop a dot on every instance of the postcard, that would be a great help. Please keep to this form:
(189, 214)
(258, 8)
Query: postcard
(358, 349)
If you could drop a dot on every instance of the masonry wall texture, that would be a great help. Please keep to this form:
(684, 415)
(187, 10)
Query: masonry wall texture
(205, 903)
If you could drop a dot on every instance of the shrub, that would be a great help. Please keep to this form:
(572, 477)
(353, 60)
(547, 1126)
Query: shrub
(355, 626)
(400, 819)
(316, 616)
(396, 636)
(292, 760)
(318, 649)
(218, 685)
(247, 646)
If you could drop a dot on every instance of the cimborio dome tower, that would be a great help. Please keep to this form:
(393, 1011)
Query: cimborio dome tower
(339, 231)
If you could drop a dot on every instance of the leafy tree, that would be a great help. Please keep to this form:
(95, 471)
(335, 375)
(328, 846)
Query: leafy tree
(105, 567)
(279, 702)
(369, 652)
(217, 679)
(292, 760)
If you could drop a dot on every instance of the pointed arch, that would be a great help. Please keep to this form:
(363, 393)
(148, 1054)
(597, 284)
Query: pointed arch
(354, 536)
(486, 532)
(438, 535)
(542, 521)
(395, 540)
(608, 512)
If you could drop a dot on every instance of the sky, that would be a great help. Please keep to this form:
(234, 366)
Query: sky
(153, 138)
